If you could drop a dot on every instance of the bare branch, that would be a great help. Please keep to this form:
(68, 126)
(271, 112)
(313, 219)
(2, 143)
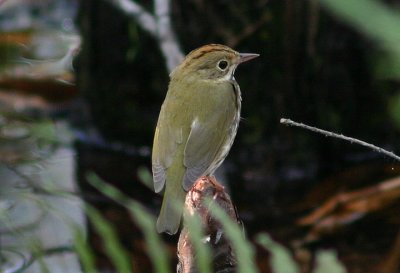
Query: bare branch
(165, 34)
(158, 25)
(142, 17)
(330, 134)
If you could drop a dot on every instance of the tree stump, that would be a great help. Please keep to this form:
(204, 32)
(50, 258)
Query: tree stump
(223, 258)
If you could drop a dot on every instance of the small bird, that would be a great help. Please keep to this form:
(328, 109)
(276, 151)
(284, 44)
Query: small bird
(196, 127)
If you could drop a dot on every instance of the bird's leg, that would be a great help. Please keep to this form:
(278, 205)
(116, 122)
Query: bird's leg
(216, 184)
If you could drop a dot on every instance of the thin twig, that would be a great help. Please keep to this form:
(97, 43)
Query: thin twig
(330, 134)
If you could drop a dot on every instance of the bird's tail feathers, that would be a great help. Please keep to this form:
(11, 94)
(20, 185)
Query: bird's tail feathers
(171, 211)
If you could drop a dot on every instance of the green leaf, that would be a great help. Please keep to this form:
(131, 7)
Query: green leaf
(243, 249)
(113, 248)
(146, 222)
(156, 249)
(383, 23)
(145, 177)
(202, 250)
(43, 131)
(281, 258)
(327, 262)
(83, 249)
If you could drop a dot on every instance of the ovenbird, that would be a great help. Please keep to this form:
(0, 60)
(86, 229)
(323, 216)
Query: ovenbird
(196, 127)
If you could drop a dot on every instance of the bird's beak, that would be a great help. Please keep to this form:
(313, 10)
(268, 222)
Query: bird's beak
(244, 57)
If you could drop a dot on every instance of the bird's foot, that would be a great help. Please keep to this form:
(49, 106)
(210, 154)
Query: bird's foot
(216, 184)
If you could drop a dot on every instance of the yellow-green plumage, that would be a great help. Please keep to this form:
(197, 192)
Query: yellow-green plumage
(196, 127)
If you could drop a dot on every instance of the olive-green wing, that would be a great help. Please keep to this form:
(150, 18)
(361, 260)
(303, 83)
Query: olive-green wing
(205, 143)
(158, 168)
(166, 140)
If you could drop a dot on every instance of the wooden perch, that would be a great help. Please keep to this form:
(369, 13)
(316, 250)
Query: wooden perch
(223, 258)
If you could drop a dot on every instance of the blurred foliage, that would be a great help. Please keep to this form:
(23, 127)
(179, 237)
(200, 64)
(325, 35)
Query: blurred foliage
(382, 24)
(198, 237)
(84, 251)
(282, 260)
(113, 248)
(383, 27)
(38, 51)
(244, 251)
(145, 177)
(25, 146)
(19, 135)
(327, 262)
(155, 248)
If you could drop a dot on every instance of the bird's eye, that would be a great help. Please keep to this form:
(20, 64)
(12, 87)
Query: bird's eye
(222, 64)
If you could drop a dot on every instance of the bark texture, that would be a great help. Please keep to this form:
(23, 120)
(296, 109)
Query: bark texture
(223, 258)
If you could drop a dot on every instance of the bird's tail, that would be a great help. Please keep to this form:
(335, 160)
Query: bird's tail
(171, 210)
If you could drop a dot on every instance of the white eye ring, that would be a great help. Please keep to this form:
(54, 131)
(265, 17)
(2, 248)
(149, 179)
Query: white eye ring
(222, 65)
